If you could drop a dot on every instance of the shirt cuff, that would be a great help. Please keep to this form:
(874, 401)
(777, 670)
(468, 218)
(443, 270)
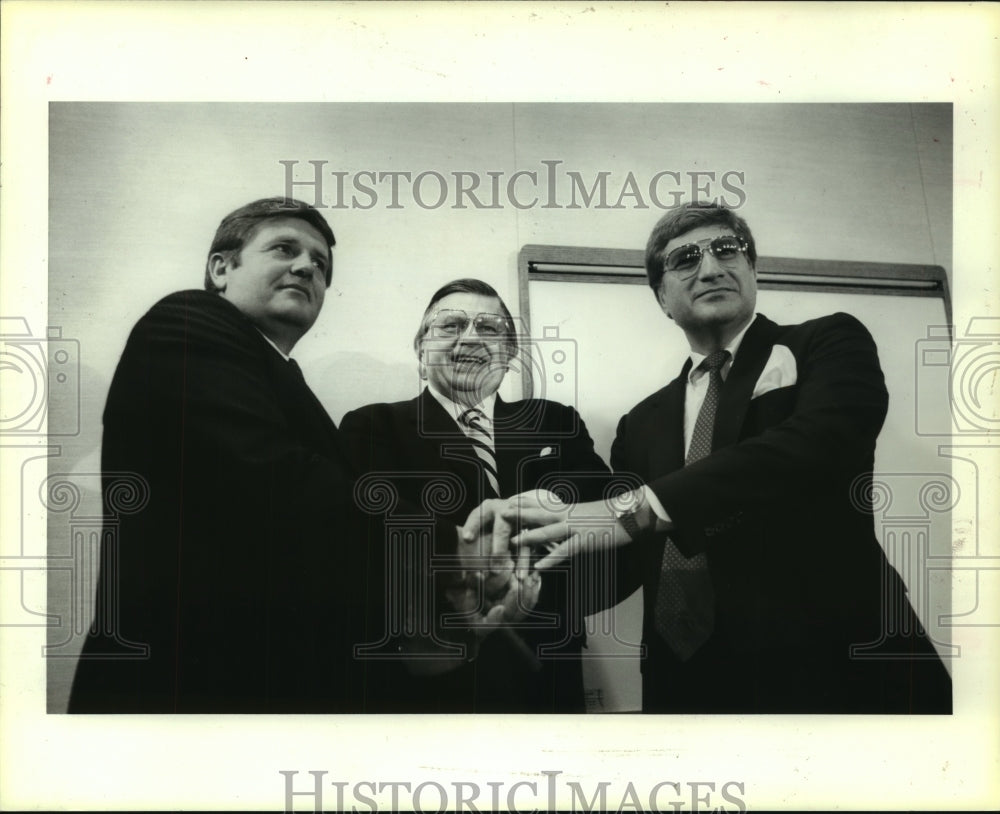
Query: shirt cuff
(655, 505)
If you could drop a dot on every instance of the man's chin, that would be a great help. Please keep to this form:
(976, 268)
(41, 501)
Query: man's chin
(293, 323)
(476, 385)
(720, 311)
(300, 313)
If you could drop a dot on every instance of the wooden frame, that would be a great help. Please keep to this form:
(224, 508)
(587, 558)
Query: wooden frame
(571, 264)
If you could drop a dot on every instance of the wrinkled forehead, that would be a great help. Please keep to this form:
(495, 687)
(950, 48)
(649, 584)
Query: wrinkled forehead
(471, 303)
(699, 234)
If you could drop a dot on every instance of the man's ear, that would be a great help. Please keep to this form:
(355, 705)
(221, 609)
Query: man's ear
(421, 366)
(218, 270)
(508, 353)
(661, 299)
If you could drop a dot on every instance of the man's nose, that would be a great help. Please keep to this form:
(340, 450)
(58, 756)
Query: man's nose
(302, 265)
(708, 267)
(470, 335)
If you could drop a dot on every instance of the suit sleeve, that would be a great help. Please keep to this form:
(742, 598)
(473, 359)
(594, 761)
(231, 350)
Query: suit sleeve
(248, 571)
(231, 414)
(840, 403)
(369, 439)
(199, 373)
(581, 465)
(605, 577)
(275, 503)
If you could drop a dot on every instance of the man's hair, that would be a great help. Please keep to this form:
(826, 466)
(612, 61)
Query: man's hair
(467, 285)
(683, 219)
(239, 227)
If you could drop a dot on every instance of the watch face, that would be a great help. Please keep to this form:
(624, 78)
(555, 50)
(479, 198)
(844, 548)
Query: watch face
(629, 523)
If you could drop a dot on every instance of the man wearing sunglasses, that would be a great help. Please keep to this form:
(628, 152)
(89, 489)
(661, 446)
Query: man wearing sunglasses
(460, 430)
(754, 531)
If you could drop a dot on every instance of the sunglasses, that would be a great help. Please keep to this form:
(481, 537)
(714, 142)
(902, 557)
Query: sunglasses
(684, 260)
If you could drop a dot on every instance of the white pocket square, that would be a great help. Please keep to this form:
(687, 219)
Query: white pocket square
(544, 452)
(780, 371)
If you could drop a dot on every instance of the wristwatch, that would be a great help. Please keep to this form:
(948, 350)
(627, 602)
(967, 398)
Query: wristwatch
(627, 517)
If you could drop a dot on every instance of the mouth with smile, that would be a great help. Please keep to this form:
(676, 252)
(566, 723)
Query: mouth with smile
(712, 291)
(469, 359)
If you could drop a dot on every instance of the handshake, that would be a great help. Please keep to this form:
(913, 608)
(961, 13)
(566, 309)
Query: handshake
(495, 546)
(499, 584)
(504, 547)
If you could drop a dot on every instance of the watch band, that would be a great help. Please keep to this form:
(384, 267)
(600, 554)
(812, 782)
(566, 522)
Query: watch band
(629, 523)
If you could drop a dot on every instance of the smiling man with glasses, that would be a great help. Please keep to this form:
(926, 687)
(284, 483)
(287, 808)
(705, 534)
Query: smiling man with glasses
(461, 429)
(754, 532)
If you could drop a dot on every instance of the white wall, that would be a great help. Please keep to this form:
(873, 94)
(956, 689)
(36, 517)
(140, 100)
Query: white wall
(136, 191)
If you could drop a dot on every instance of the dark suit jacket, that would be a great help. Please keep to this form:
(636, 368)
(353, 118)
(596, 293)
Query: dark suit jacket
(781, 510)
(538, 444)
(249, 573)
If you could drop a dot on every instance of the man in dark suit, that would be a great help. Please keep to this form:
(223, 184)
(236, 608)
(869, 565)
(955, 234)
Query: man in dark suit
(242, 574)
(460, 426)
(765, 588)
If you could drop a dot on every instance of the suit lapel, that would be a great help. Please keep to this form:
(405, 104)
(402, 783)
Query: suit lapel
(666, 437)
(292, 391)
(505, 422)
(432, 420)
(743, 375)
(510, 443)
(317, 426)
(442, 441)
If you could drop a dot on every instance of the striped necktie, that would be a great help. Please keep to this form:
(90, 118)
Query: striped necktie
(482, 442)
(685, 601)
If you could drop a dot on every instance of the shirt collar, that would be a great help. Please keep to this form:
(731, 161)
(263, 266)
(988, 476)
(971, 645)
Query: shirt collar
(697, 358)
(455, 410)
(284, 355)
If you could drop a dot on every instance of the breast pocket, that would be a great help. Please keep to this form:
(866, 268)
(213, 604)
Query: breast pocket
(770, 408)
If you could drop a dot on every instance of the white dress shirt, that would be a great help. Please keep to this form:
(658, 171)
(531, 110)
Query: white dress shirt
(694, 397)
(455, 410)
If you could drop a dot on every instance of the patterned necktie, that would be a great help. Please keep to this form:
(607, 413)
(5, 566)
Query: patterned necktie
(482, 443)
(685, 601)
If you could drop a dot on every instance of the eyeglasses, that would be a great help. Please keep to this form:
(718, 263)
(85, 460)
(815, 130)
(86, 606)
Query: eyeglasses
(450, 323)
(684, 261)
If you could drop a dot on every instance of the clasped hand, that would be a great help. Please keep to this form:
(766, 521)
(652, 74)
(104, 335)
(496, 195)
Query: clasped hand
(539, 519)
(502, 587)
(498, 588)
